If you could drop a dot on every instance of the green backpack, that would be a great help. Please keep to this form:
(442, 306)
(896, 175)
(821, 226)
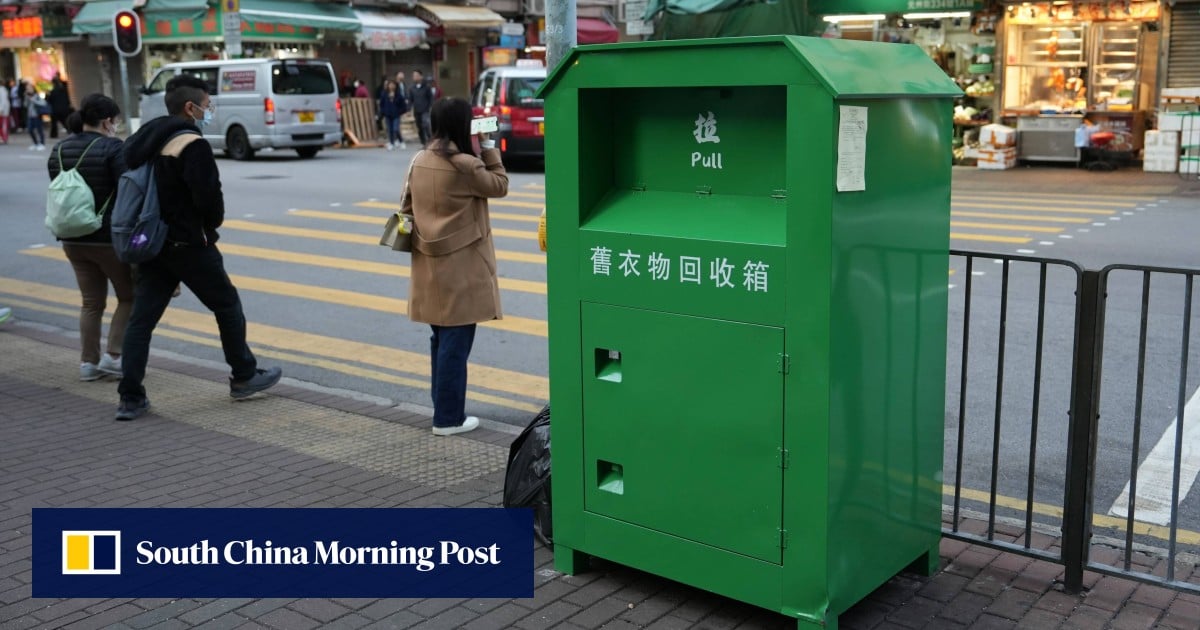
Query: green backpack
(70, 204)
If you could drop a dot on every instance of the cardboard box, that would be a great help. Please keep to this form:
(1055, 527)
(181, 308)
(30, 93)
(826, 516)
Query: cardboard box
(997, 136)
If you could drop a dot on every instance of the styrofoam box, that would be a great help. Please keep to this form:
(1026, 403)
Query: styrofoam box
(1161, 139)
(1166, 164)
(1189, 166)
(997, 136)
(1170, 122)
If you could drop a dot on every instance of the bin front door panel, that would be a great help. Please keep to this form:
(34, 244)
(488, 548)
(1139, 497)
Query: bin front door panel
(683, 424)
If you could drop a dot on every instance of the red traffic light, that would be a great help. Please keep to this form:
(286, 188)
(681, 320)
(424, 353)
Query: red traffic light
(127, 33)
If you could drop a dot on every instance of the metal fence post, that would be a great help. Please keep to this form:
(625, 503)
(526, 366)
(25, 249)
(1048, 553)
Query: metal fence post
(1081, 432)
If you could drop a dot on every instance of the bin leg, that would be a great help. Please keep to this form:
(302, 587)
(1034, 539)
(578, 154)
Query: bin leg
(569, 561)
(829, 623)
(928, 564)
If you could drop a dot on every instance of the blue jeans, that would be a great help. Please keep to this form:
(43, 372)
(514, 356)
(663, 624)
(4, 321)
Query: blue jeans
(202, 269)
(36, 129)
(449, 348)
(393, 129)
(423, 126)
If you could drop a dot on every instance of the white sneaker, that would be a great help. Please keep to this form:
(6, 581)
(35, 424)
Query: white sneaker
(470, 424)
(403, 146)
(41, 147)
(391, 146)
(33, 147)
(89, 372)
(109, 365)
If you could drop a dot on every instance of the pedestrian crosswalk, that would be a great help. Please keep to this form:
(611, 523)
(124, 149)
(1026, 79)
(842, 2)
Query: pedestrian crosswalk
(329, 258)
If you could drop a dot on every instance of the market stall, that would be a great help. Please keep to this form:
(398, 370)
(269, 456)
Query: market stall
(1067, 60)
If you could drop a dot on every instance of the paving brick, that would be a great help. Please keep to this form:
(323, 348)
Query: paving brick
(1012, 604)
(1040, 620)
(600, 613)
(1110, 593)
(671, 622)
(259, 607)
(287, 619)
(649, 610)
(548, 616)
(322, 610)
(992, 622)
(865, 615)
(397, 620)
(158, 614)
(915, 613)
(348, 622)
(546, 593)
(1138, 617)
(943, 587)
(1087, 618)
(499, 618)
(965, 608)
(990, 582)
(169, 624)
(106, 618)
(1057, 602)
(384, 607)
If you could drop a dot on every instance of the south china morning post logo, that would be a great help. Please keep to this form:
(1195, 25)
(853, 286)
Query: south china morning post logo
(91, 553)
(282, 552)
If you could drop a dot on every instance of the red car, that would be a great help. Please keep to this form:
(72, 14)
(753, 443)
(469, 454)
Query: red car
(509, 93)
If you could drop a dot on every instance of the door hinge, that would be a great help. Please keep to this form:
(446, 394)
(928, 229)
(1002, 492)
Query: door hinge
(784, 458)
(704, 191)
(784, 363)
(639, 187)
(779, 194)
(783, 538)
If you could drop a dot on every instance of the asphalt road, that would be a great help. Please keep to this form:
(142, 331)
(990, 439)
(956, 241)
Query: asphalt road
(327, 303)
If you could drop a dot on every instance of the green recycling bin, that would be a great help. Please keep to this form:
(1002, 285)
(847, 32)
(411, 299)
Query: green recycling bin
(747, 274)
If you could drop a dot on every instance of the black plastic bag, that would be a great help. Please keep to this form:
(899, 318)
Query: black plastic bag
(527, 480)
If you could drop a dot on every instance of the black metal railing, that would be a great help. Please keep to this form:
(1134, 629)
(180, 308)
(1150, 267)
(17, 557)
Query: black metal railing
(1046, 365)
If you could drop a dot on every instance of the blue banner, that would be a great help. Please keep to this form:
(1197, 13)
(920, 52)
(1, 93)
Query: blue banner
(318, 552)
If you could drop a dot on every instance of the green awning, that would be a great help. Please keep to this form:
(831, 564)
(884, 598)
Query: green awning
(696, 7)
(97, 17)
(171, 10)
(325, 15)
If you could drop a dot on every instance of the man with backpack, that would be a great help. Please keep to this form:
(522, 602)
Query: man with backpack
(192, 206)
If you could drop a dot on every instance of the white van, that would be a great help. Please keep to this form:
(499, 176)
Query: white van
(282, 103)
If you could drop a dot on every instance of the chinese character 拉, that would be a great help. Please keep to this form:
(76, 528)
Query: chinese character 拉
(660, 266)
(721, 272)
(706, 129)
(754, 276)
(689, 269)
(601, 261)
(629, 262)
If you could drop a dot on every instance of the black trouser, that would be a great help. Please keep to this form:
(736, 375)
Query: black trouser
(423, 126)
(55, 119)
(202, 269)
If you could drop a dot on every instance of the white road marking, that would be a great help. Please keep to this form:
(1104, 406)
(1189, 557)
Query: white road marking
(1047, 243)
(1153, 502)
(1066, 235)
(1026, 251)
(249, 215)
(953, 285)
(977, 273)
(1151, 205)
(1127, 213)
(37, 246)
(1098, 224)
(335, 205)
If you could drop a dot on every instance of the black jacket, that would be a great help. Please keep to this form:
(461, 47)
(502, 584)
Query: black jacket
(189, 187)
(101, 169)
(59, 100)
(421, 97)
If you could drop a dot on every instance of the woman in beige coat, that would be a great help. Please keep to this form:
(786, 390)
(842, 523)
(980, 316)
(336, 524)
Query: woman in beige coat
(454, 283)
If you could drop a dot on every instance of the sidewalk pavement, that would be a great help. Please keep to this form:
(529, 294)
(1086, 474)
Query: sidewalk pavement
(297, 447)
(1066, 179)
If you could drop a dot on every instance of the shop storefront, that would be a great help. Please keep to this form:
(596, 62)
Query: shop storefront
(1067, 60)
(457, 35)
(31, 51)
(388, 42)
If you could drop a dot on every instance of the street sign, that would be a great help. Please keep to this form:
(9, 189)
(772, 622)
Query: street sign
(232, 23)
(632, 11)
(510, 28)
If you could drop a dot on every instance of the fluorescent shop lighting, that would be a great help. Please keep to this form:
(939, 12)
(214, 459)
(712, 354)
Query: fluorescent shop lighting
(862, 17)
(937, 16)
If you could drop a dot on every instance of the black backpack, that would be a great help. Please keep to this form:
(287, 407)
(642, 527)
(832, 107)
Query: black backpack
(138, 230)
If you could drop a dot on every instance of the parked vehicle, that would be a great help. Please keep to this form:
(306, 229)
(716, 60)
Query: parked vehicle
(508, 92)
(280, 103)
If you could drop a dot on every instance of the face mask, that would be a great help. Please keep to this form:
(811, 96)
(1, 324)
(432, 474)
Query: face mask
(206, 120)
(115, 129)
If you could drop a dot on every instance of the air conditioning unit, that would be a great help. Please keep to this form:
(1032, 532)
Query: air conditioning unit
(535, 7)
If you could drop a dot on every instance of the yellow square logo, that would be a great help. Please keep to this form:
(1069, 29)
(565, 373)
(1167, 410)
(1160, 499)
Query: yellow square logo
(91, 553)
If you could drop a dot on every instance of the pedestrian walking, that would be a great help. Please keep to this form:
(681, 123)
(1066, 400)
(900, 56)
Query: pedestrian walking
(59, 100)
(454, 285)
(360, 90)
(421, 97)
(35, 106)
(5, 112)
(189, 192)
(94, 151)
(392, 106)
(402, 86)
(16, 97)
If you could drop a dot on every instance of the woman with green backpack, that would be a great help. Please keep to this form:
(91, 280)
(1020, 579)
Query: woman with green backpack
(95, 152)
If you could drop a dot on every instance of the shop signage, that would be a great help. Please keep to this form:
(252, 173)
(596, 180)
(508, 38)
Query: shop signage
(56, 24)
(512, 41)
(209, 27)
(391, 39)
(21, 28)
(828, 7)
(238, 81)
(231, 24)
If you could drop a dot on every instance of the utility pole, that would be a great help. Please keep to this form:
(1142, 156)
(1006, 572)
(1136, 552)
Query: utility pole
(560, 31)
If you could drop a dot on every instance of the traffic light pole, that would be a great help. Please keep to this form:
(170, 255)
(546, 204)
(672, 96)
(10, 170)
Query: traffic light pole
(125, 89)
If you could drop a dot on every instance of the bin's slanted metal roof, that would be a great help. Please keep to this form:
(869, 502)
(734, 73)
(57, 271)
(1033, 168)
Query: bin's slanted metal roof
(845, 68)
